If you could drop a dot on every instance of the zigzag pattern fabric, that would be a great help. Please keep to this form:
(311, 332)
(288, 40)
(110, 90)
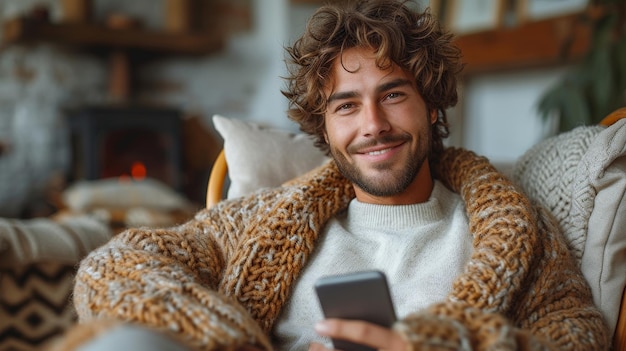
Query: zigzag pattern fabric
(38, 259)
(34, 305)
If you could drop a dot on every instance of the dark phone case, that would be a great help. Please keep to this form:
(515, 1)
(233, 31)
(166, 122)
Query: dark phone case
(361, 296)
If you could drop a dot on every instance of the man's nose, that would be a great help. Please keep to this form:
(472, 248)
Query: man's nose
(374, 120)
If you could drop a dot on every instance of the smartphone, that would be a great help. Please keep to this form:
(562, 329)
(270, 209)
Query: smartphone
(362, 296)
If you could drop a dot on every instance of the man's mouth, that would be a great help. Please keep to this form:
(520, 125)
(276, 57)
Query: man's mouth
(378, 152)
(380, 146)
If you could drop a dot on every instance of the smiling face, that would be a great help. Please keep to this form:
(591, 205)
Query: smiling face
(378, 129)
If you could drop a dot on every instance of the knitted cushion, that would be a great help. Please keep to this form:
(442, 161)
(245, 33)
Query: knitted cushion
(547, 173)
(580, 176)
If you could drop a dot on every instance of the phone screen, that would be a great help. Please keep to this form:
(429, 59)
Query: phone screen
(359, 296)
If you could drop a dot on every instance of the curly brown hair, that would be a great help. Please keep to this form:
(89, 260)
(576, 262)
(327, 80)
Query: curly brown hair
(412, 40)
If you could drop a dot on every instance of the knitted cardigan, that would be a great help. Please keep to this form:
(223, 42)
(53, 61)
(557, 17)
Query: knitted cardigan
(221, 280)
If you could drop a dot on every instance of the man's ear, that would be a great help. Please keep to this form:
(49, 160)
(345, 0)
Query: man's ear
(434, 115)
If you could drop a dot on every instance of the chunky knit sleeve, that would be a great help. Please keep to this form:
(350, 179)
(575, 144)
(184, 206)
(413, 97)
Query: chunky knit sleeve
(168, 279)
(219, 280)
(521, 289)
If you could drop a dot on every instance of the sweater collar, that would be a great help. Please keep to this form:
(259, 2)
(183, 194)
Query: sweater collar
(398, 217)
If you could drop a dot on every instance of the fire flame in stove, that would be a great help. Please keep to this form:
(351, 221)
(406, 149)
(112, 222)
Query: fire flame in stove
(138, 171)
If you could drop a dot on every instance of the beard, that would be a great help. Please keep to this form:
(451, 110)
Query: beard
(387, 182)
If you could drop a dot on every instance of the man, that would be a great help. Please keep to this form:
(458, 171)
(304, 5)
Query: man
(471, 264)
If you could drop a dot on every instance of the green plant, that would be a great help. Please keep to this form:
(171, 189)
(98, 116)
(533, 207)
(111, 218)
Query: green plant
(596, 86)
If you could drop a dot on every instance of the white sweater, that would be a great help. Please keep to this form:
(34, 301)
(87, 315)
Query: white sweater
(421, 248)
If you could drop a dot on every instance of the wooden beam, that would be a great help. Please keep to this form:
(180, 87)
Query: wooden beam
(21, 30)
(532, 44)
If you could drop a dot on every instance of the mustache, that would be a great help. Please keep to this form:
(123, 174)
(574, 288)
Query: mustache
(382, 140)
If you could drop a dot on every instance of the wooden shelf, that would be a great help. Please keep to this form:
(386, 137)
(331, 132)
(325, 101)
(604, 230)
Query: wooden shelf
(533, 44)
(123, 46)
(22, 30)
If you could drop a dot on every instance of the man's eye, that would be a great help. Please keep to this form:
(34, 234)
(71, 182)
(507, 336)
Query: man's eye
(393, 95)
(346, 106)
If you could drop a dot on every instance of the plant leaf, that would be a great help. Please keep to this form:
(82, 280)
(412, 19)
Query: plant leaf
(550, 102)
(602, 82)
(575, 109)
(618, 96)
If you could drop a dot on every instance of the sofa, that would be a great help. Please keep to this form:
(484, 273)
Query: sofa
(39, 257)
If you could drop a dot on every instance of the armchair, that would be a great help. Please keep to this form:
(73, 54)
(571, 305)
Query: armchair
(580, 176)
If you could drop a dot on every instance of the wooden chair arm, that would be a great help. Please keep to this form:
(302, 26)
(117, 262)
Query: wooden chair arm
(613, 117)
(217, 178)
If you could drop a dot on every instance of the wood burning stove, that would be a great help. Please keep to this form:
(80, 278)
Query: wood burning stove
(127, 142)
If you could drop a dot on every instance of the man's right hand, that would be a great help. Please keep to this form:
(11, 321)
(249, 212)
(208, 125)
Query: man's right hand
(360, 332)
(248, 347)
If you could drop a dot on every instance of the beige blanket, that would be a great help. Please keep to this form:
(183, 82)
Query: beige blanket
(66, 240)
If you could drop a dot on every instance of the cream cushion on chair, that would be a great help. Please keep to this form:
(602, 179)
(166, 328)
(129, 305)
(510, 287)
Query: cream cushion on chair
(580, 176)
(260, 157)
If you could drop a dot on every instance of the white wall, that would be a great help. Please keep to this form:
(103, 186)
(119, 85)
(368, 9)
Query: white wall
(499, 112)
(244, 80)
(36, 83)
(269, 105)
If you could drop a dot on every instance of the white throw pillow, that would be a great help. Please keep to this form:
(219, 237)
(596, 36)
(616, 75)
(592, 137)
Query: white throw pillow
(87, 195)
(260, 157)
(604, 259)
